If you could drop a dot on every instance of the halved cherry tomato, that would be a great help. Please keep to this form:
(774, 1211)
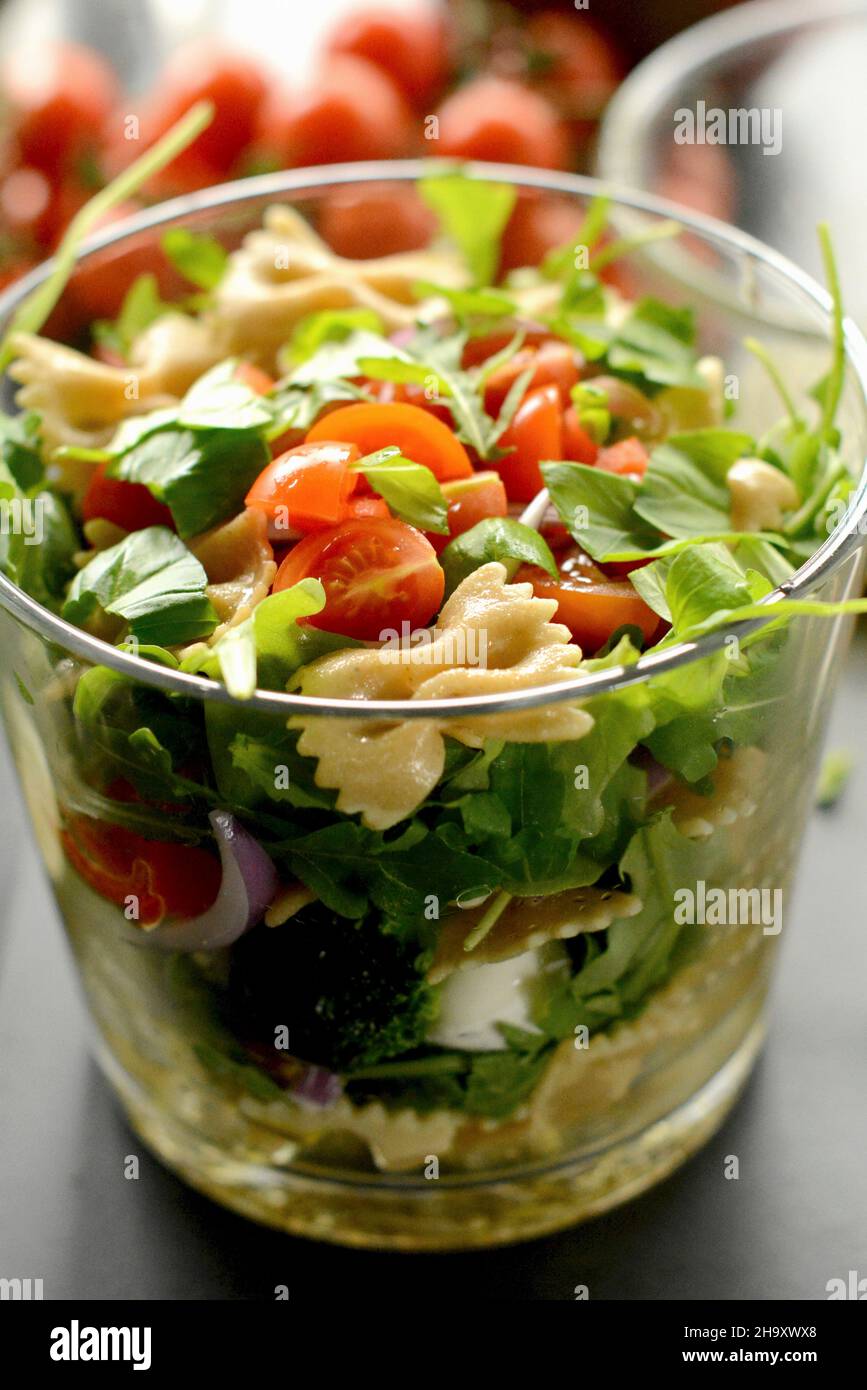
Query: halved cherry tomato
(350, 111)
(535, 434)
(551, 362)
(494, 119)
(367, 507)
(470, 501)
(129, 505)
(411, 48)
(407, 393)
(168, 879)
(629, 458)
(578, 445)
(377, 575)
(590, 604)
(417, 433)
(254, 377)
(59, 97)
(362, 222)
(307, 488)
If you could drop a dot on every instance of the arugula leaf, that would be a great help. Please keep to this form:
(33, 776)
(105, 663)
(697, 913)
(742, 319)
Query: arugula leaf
(31, 315)
(202, 475)
(496, 538)
(410, 489)
(473, 214)
(484, 303)
(200, 258)
(150, 580)
(653, 346)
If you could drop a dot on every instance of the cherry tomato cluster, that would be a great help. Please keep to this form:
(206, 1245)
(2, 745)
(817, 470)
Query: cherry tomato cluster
(388, 83)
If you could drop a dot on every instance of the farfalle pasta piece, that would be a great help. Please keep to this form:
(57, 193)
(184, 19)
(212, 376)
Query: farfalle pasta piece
(525, 924)
(736, 784)
(285, 271)
(398, 1140)
(81, 401)
(383, 768)
(239, 562)
(172, 353)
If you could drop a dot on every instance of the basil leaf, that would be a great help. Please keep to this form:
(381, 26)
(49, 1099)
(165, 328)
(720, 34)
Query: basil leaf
(19, 449)
(473, 215)
(598, 508)
(202, 476)
(151, 580)
(655, 345)
(201, 259)
(684, 490)
(467, 304)
(496, 538)
(410, 489)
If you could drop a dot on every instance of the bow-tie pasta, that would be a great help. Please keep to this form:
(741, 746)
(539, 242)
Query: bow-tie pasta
(383, 768)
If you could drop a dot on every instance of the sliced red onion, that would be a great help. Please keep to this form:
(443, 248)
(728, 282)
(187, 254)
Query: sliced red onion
(248, 885)
(316, 1088)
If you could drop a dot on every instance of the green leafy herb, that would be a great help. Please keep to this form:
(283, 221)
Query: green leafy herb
(31, 315)
(142, 305)
(496, 538)
(410, 489)
(151, 581)
(201, 259)
(473, 214)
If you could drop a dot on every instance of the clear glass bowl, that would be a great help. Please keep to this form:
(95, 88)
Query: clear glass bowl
(607, 1117)
(800, 60)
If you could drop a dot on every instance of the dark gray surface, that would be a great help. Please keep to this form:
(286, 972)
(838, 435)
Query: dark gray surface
(795, 1218)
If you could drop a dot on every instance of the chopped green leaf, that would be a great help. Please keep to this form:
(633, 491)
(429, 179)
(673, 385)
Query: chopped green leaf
(200, 258)
(473, 214)
(150, 580)
(410, 489)
(496, 538)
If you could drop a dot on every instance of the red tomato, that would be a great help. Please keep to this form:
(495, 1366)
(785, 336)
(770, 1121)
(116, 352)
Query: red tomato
(590, 604)
(26, 199)
(350, 111)
(377, 575)
(501, 121)
(307, 488)
(553, 363)
(254, 377)
(411, 48)
(535, 434)
(478, 350)
(582, 66)
(470, 501)
(99, 286)
(629, 458)
(578, 445)
(59, 96)
(360, 223)
(129, 505)
(196, 72)
(407, 393)
(168, 879)
(417, 433)
(540, 222)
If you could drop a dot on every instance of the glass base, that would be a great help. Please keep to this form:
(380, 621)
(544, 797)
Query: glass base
(449, 1213)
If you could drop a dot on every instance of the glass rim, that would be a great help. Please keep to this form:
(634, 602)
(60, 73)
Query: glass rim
(689, 53)
(826, 560)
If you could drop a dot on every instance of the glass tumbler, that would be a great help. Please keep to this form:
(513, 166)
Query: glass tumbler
(673, 1005)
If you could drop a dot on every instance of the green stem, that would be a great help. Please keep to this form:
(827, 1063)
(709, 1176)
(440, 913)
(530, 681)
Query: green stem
(488, 920)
